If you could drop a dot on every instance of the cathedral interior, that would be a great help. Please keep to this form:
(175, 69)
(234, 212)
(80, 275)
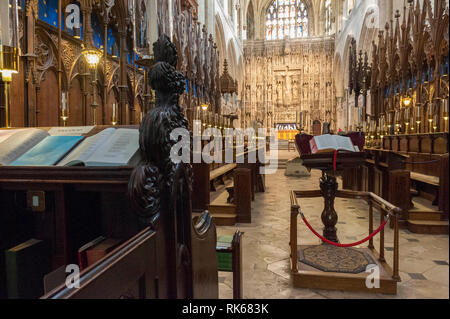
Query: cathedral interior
(132, 72)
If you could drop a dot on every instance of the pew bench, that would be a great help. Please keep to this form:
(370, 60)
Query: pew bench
(432, 181)
(219, 173)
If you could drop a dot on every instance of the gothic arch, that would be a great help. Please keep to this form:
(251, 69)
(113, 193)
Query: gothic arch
(250, 16)
(220, 40)
(369, 31)
(47, 50)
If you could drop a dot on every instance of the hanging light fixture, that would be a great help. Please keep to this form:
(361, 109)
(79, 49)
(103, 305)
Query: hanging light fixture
(92, 56)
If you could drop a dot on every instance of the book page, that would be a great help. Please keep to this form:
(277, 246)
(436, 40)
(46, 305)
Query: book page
(88, 147)
(5, 134)
(118, 150)
(48, 152)
(70, 131)
(20, 143)
(325, 142)
(344, 143)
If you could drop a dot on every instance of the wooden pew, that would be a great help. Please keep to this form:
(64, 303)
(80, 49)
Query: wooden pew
(83, 203)
(233, 253)
(129, 272)
(244, 189)
(395, 175)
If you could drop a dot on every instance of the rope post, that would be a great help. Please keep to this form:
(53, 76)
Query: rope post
(382, 259)
(293, 242)
(396, 275)
(371, 246)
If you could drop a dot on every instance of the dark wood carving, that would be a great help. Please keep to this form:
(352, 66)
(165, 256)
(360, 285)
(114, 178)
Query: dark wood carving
(159, 188)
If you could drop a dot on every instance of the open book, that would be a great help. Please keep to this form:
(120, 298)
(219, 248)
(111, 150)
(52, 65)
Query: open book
(111, 147)
(15, 143)
(330, 143)
(48, 152)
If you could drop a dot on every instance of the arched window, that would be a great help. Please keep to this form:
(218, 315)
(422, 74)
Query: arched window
(286, 18)
(328, 17)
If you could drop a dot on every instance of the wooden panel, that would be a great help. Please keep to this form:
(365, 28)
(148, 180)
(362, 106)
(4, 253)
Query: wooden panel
(440, 145)
(126, 273)
(399, 183)
(387, 143)
(137, 111)
(243, 194)
(75, 104)
(444, 188)
(204, 258)
(395, 144)
(404, 144)
(48, 101)
(414, 143)
(426, 145)
(201, 186)
(17, 99)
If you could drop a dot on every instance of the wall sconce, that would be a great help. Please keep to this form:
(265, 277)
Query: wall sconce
(407, 101)
(205, 107)
(92, 57)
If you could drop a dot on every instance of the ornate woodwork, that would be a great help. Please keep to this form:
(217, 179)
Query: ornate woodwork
(46, 49)
(284, 78)
(411, 60)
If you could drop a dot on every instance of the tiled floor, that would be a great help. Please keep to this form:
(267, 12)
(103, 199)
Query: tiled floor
(424, 259)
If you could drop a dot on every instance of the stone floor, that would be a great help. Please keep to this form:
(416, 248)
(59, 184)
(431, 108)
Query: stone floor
(424, 259)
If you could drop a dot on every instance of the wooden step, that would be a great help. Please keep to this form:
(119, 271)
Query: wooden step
(229, 209)
(424, 210)
(414, 192)
(224, 219)
(428, 227)
(430, 215)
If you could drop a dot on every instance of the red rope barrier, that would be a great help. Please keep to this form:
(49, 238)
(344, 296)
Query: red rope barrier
(346, 245)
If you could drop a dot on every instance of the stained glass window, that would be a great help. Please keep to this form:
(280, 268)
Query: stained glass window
(286, 18)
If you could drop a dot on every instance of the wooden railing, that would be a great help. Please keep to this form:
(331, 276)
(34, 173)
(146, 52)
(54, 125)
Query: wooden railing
(384, 207)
